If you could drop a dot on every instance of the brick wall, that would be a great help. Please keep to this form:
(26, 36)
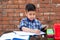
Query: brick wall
(12, 11)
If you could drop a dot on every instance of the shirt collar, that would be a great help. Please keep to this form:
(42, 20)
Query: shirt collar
(30, 20)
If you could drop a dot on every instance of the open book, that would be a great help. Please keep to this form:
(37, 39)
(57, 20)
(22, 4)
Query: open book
(26, 33)
(17, 34)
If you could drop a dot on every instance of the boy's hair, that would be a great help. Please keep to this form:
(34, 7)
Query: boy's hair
(30, 7)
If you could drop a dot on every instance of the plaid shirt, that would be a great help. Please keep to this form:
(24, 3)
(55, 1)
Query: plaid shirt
(34, 24)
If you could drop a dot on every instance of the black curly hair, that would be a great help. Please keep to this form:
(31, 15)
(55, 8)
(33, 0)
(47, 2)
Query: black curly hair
(30, 7)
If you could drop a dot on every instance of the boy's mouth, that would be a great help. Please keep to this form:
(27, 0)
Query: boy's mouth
(31, 18)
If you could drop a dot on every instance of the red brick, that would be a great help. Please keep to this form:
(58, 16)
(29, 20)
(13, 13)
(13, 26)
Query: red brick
(17, 14)
(43, 22)
(20, 18)
(47, 5)
(52, 9)
(50, 26)
(11, 27)
(41, 10)
(39, 14)
(4, 14)
(46, 18)
(52, 18)
(57, 9)
(5, 22)
(17, 18)
(19, 10)
(16, 22)
(0, 14)
(5, 27)
(15, 2)
(58, 13)
(0, 6)
(44, 9)
(57, 21)
(0, 22)
(32, 1)
(57, 17)
(3, 6)
(11, 22)
(1, 27)
(55, 1)
(1, 32)
(0, 18)
(41, 18)
(5, 18)
(43, 5)
(10, 2)
(47, 9)
(8, 27)
(11, 14)
(0, 2)
(11, 18)
(53, 6)
(21, 6)
(0, 11)
(12, 6)
(9, 10)
(21, 1)
(4, 2)
(44, 1)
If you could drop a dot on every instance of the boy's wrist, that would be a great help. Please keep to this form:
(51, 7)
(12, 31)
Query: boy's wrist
(31, 30)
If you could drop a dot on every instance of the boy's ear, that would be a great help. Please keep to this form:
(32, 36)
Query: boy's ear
(26, 13)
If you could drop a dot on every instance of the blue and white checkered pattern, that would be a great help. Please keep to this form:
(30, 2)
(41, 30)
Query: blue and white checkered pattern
(34, 24)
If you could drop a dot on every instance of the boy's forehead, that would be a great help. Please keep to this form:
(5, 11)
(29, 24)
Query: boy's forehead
(32, 12)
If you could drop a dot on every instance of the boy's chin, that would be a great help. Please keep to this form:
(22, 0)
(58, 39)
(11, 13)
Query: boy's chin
(31, 19)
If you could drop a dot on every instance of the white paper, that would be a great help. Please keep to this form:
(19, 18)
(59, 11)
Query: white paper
(27, 33)
(18, 34)
(23, 33)
(13, 35)
(7, 36)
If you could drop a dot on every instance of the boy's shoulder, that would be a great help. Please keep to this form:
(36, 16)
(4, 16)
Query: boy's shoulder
(36, 20)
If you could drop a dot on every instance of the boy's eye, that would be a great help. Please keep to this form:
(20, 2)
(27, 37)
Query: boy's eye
(30, 14)
(33, 14)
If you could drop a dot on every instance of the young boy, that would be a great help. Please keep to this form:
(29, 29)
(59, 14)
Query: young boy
(30, 23)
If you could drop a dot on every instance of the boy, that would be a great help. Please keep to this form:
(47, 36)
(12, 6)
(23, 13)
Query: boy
(30, 24)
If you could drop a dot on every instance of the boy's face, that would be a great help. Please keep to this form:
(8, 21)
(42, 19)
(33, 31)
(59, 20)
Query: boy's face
(31, 15)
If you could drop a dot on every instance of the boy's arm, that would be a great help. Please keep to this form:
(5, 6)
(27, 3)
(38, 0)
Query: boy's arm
(30, 30)
(23, 27)
(44, 27)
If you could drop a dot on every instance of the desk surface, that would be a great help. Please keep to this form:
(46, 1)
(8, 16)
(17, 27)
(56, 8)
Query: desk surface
(17, 34)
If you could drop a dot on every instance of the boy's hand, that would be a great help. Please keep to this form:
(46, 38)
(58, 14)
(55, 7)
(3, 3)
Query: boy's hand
(45, 27)
(31, 30)
(37, 31)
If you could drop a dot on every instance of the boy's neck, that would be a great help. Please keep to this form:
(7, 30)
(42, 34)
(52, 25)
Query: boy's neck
(30, 20)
